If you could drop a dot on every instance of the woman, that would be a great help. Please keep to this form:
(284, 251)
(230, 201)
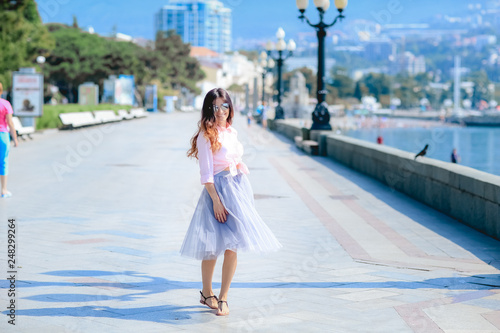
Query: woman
(225, 220)
(5, 120)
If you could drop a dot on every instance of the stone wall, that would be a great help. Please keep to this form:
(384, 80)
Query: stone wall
(466, 194)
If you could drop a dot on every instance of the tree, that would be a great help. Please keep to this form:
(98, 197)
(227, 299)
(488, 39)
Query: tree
(75, 22)
(342, 85)
(173, 64)
(423, 79)
(251, 55)
(360, 90)
(236, 88)
(309, 76)
(481, 88)
(23, 37)
(79, 57)
(377, 84)
(407, 91)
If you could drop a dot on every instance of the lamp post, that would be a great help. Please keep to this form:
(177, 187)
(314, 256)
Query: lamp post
(41, 61)
(321, 116)
(267, 65)
(280, 46)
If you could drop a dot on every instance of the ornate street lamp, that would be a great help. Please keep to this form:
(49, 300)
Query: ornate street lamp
(41, 61)
(321, 116)
(267, 65)
(280, 46)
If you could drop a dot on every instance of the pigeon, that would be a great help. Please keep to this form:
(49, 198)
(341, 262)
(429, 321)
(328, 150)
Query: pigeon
(423, 152)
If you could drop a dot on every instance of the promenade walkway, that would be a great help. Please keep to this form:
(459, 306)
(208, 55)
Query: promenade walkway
(101, 214)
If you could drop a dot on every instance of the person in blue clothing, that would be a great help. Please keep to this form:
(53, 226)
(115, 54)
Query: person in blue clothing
(6, 126)
(454, 156)
(263, 115)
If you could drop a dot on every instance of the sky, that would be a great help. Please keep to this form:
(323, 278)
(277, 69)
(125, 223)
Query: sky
(252, 19)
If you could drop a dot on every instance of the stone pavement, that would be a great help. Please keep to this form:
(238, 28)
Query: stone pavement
(101, 214)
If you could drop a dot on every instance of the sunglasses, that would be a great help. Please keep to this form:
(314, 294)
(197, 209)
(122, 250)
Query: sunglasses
(223, 107)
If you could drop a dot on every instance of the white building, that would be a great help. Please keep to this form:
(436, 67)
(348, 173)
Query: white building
(409, 63)
(222, 71)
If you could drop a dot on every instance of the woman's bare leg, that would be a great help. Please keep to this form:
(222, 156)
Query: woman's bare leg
(228, 269)
(207, 272)
(3, 180)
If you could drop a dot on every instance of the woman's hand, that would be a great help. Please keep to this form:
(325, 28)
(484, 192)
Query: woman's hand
(220, 211)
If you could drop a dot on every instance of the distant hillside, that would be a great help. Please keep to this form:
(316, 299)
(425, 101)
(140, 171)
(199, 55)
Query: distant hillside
(409, 10)
(284, 13)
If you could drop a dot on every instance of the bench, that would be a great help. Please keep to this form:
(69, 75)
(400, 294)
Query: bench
(77, 119)
(187, 108)
(138, 113)
(299, 142)
(124, 115)
(106, 116)
(311, 147)
(22, 130)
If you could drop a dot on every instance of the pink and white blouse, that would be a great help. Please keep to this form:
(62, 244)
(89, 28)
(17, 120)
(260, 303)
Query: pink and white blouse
(228, 156)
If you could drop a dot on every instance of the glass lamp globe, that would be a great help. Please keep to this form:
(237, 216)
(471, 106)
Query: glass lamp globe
(269, 45)
(281, 45)
(302, 5)
(340, 4)
(280, 34)
(319, 4)
(326, 5)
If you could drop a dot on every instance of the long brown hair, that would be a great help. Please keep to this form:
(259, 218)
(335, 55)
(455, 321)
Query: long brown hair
(208, 123)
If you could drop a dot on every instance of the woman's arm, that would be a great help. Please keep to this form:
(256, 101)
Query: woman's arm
(13, 132)
(220, 211)
(205, 158)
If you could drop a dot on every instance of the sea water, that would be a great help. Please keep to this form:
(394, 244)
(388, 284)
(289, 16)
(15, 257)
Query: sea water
(477, 147)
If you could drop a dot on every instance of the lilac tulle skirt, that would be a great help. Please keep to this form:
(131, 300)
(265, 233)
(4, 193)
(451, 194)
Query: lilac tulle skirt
(244, 230)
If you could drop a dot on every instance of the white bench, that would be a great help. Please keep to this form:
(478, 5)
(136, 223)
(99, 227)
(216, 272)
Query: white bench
(22, 130)
(106, 116)
(138, 113)
(124, 115)
(77, 119)
(187, 108)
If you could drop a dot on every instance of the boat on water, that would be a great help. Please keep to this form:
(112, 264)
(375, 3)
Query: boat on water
(491, 119)
(476, 118)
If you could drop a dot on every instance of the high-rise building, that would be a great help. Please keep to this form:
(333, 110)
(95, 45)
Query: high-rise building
(409, 64)
(204, 23)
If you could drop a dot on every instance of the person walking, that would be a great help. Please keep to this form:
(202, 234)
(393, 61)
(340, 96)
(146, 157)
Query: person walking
(225, 220)
(249, 118)
(265, 109)
(6, 124)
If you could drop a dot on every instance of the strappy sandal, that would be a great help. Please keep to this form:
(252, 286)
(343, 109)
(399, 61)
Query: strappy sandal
(204, 301)
(222, 314)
